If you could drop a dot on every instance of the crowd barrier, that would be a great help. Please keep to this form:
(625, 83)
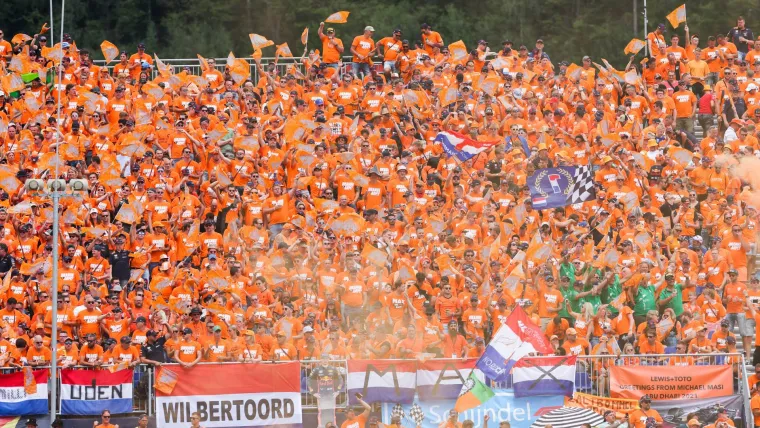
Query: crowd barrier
(591, 376)
(283, 64)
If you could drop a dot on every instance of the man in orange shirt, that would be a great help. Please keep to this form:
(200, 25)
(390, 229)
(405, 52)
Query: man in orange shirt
(38, 355)
(362, 49)
(573, 345)
(136, 61)
(332, 47)
(91, 354)
(189, 352)
(88, 319)
(686, 107)
(640, 417)
(430, 39)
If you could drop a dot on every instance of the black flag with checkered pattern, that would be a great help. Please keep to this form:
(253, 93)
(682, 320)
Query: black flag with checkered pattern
(583, 186)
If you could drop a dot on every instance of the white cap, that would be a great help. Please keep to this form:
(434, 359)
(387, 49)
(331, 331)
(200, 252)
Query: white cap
(308, 329)
(369, 28)
(751, 86)
(93, 210)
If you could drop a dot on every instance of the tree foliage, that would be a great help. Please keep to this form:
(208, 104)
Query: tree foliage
(180, 29)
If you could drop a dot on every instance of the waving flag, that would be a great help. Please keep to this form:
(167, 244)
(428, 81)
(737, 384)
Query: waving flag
(561, 186)
(474, 394)
(305, 36)
(259, 42)
(515, 339)
(458, 50)
(110, 51)
(17, 401)
(677, 16)
(382, 380)
(338, 17)
(284, 50)
(634, 46)
(544, 376)
(461, 146)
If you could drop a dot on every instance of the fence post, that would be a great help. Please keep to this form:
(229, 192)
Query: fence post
(151, 389)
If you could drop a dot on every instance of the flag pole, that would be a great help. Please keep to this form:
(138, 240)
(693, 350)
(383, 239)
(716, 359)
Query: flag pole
(646, 46)
(56, 243)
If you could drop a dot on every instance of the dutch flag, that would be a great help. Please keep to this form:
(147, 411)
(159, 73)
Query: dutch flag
(461, 146)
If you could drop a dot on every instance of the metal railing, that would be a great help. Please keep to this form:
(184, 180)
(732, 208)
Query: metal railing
(592, 376)
(194, 67)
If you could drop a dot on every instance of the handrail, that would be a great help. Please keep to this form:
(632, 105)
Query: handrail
(744, 388)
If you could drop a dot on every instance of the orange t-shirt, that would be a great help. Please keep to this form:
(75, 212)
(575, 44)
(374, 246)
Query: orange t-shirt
(188, 351)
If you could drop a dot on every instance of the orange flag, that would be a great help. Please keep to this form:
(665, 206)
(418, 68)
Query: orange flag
(677, 16)
(256, 53)
(284, 50)
(54, 54)
(447, 96)
(160, 66)
(110, 51)
(634, 46)
(374, 255)
(458, 51)
(305, 35)
(12, 83)
(202, 60)
(347, 224)
(573, 72)
(30, 383)
(166, 380)
(20, 38)
(338, 17)
(118, 367)
(259, 42)
(631, 77)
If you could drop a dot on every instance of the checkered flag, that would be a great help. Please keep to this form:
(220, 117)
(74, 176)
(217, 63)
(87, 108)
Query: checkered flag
(398, 410)
(583, 186)
(416, 414)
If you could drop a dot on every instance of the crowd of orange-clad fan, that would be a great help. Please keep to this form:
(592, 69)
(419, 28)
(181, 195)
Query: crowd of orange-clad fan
(311, 213)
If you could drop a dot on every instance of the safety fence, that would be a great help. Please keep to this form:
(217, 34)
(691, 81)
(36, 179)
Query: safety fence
(592, 376)
(192, 65)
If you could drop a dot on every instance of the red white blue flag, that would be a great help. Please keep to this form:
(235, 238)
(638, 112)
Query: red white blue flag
(461, 146)
(14, 400)
(544, 376)
(89, 392)
(382, 381)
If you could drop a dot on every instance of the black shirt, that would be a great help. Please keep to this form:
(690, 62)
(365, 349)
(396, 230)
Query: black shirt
(734, 35)
(325, 380)
(6, 263)
(119, 264)
(155, 351)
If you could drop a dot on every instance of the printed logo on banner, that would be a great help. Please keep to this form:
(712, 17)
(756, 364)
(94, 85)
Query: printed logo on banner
(504, 406)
